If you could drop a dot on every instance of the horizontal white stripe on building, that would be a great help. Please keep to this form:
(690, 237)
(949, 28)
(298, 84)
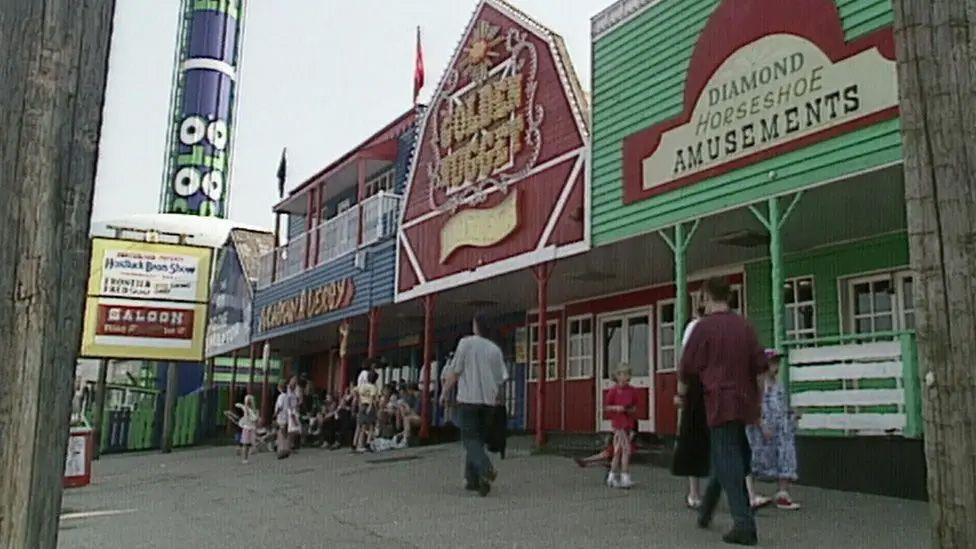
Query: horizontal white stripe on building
(879, 423)
(857, 370)
(880, 350)
(851, 397)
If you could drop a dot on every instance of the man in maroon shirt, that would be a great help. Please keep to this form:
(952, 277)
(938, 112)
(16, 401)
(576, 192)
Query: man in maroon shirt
(724, 353)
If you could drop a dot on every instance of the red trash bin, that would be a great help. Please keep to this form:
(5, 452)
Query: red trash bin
(77, 463)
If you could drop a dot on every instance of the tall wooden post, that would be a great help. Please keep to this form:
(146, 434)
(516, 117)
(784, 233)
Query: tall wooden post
(265, 396)
(428, 360)
(55, 57)
(542, 273)
(169, 407)
(936, 51)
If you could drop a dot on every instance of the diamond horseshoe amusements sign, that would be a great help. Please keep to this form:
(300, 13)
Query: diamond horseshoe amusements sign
(310, 303)
(498, 178)
(767, 77)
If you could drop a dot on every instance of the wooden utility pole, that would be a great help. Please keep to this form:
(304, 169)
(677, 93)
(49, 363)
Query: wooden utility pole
(936, 54)
(55, 58)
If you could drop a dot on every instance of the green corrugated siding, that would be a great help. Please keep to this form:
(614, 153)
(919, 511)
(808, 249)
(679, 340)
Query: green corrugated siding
(826, 265)
(639, 72)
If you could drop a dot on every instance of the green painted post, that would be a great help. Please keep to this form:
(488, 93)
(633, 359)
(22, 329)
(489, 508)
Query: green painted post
(776, 270)
(910, 381)
(681, 287)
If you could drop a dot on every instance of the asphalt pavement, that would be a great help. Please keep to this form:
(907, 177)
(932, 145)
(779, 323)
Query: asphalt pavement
(202, 498)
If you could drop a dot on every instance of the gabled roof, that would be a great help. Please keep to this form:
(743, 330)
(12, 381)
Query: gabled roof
(250, 246)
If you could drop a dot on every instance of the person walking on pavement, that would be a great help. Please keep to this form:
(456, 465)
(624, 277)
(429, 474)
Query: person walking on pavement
(724, 353)
(478, 370)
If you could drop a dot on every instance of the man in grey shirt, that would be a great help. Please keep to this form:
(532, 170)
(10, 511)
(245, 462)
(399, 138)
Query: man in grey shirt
(478, 370)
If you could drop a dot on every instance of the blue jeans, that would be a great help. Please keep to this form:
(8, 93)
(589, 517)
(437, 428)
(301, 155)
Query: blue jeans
(730, 464)
(474, 421)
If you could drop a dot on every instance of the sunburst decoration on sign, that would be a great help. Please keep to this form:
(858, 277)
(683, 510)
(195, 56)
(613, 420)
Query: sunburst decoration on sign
(488, 54)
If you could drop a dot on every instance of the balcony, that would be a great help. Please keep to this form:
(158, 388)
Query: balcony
(370, 221)
(856, 385)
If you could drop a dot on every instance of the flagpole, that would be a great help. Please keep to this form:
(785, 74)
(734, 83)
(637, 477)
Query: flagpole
(277, 226)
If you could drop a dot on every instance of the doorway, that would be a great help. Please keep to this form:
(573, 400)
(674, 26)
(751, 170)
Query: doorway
(626, 337)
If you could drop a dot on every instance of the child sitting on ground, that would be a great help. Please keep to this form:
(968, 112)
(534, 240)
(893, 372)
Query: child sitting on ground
(773, 441)
(621, 406)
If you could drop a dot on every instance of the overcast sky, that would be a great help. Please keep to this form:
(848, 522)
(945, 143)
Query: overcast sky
(319, 76)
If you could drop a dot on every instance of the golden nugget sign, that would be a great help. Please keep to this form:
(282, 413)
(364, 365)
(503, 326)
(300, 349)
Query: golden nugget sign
(308, 304)
(481, 128)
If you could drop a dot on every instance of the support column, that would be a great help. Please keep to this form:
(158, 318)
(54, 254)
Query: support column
(307, 259)
(542, 273)
(266, 361)
(428, 357)
(374, 327)
(98, 418)
(679, 246)
(169, 407)
(774, 222)
(343, 358)
(361, 195)
(250, 376)
(233, 388)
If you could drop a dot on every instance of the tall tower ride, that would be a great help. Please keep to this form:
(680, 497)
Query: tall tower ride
(201, 129)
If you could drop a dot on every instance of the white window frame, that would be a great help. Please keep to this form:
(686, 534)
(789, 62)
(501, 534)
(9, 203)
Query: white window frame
(895, 277)
(586, 361)
(552, 351)
(794, 309)
(663, 343)
(900, 278)
(733, 289)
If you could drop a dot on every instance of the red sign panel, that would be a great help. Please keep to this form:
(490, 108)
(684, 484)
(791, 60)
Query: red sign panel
(498, 178)
(149, 322)
(767, 77)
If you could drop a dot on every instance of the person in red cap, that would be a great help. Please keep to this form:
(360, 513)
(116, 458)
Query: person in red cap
(773, 440)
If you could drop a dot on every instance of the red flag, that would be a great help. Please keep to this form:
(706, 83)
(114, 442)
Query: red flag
(418, 71)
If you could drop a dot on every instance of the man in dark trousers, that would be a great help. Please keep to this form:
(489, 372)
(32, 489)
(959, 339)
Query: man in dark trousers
(478, 370)
(724, 353)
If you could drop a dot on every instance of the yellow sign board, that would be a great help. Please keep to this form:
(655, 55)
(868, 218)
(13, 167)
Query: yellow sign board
(146, 300)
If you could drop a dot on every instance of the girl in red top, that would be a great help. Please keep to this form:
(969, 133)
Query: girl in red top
(621, 405)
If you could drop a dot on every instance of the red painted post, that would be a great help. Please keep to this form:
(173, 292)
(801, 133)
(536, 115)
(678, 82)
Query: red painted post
(361, 194)
(541, 273)
(428, 356)
(374, 328)
(343, 358)
(308, 227)
(315, 226)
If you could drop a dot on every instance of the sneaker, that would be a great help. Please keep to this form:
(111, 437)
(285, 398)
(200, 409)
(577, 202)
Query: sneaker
(244, 461)
(625, 481)
(784, 502)
(740, 537)
(759, 502)
(611, 480)
(692, 503)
